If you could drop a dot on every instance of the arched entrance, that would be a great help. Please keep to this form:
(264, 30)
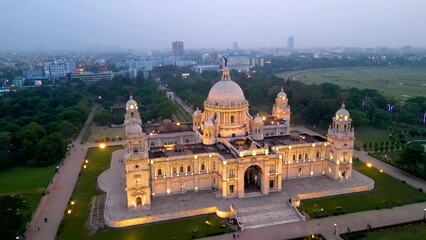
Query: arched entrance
(138, 201)
(252, 179)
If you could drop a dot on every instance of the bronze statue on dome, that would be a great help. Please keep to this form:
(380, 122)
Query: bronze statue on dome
(226, 61)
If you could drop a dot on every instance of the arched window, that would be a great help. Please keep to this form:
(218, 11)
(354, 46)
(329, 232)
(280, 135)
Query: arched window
(159, 172)
(181, 169)
(188, 168)
(203, 166)
(152, 144)
(132, 114)
(300, 156)
(232, 118)
(306, 156)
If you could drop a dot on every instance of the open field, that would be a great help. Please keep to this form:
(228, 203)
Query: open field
(25, 178)
(389, 192)
(72, 226)
(393, 82)
(97, 133)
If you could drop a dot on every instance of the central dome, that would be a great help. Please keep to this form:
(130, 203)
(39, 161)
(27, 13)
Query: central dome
(226, 92)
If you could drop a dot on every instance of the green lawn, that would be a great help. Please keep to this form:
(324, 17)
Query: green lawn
(72, 226)
(368, 134)
(24, 178)
(190, 228)
(404, 233)
(389, 192)
(32, 200)
(393, 82)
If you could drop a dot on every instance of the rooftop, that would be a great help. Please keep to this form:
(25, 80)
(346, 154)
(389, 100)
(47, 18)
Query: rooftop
(291, 139)
(189, 149)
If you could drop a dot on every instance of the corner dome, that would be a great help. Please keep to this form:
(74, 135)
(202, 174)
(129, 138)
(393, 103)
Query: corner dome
(282, 94)
(258, 119)
(342, 112)
(134, 129)
(197, 113)
(131, 103)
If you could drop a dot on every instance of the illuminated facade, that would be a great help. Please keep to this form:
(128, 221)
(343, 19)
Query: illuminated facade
(228, 151)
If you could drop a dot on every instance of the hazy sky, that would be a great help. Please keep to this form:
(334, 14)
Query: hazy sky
(145, 24)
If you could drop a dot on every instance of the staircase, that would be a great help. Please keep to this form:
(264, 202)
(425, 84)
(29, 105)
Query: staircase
(266, 215)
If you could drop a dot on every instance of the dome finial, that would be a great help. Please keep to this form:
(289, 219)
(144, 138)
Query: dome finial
(343, 104)
(131, 96)
(225, 74)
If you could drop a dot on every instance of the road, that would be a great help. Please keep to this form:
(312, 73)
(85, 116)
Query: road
(53, 205)
(178, 100)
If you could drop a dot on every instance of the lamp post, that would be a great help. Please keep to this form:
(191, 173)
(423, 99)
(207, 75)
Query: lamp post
(335, 228)
(424, 214)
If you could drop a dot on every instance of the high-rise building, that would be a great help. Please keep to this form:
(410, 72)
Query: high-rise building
(177, 48)
(290, 42)
(59, 69)
(235, 46)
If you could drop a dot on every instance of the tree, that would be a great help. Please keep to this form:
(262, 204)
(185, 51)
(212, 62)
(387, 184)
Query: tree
(50, 149)
(11, 219)
(380, 118)
(103, 118)
(412, 156)
(359, 118)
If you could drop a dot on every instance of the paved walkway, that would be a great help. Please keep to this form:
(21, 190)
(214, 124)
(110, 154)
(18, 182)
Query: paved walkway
(52, 206)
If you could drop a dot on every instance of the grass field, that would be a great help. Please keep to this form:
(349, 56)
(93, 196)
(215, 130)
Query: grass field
(394, 82)
(404, 233)
(24, 178)
(389, 192)
(72, 226)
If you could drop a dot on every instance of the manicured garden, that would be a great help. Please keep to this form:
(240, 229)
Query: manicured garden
(72, 226)
(389, 192)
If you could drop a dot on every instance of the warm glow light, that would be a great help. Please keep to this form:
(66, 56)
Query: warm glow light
(369, 165)
(69, 211)
(102, 145)
(72, 202)
(381, 170)
(87, 161)
(178, 124)
(84, 166)
(263, 118)
(168, 191)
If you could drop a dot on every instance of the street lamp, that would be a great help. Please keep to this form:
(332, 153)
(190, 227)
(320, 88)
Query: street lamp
(335, 228)
(424, 214)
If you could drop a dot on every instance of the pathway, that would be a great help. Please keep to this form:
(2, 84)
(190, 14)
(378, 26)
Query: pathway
(53, 205)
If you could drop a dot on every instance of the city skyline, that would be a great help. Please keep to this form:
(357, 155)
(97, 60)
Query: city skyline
(48, 24)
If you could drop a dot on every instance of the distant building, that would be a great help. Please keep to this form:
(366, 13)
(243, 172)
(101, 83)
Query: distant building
(407, 50)
(59, 69)
(89, 77)
(257, 61)
(235, 46)
(290, 42)
(177, 48)
(205, 67)
(18, 81)
(184, 63)
(32, 72)
(162, 71)
(239, 63)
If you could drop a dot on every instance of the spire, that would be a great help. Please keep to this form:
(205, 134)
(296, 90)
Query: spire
(131, 97)
(343, 105)
(282, 89)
